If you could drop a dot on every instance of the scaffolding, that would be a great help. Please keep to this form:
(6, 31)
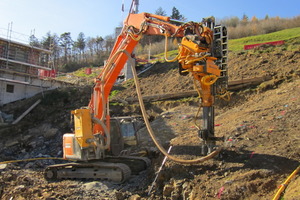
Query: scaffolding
(25, 70)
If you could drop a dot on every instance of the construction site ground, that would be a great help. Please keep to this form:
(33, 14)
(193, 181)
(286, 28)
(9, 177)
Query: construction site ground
(260, 126)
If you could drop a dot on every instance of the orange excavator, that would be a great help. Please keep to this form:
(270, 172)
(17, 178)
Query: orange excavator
(202, 52)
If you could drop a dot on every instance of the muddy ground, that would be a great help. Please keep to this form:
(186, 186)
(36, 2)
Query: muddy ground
(260, 126)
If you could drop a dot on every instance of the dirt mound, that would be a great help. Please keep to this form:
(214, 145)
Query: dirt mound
(161, 78)
(260, 126)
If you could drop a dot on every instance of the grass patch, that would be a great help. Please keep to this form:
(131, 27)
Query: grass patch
(113, 93)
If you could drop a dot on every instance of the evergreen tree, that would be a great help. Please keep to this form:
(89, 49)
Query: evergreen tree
(266, 17)
(244, 19)
(66, 43)
(80, 44)
(176, 14)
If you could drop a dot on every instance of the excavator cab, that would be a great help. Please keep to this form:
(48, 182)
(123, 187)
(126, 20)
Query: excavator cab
(123, 130)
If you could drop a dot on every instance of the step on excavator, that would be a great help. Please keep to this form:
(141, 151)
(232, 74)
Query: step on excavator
(97, 139)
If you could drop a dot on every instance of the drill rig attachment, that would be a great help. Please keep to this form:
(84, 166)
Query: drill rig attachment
(205, 57)
(218, 88)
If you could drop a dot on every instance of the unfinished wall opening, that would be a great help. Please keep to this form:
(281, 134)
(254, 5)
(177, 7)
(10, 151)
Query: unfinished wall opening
(10, 88)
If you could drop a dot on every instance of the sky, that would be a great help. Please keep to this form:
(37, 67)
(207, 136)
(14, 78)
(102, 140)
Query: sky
(100, 17)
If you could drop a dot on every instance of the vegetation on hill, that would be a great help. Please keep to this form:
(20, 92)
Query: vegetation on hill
(288, 35)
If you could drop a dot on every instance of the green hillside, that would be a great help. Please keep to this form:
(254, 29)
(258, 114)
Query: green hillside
(290, 36)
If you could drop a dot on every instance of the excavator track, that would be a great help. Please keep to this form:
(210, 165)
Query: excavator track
(115, 172)
(115, 169)
(135, 163)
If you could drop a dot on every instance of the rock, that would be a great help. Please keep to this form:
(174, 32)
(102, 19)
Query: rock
(21, 188)
(135, 197)
(40, 141)
(26, 156)
(11, 143)
(168, 190)
(59, 153)
(95, 185)
(175, 196)
(29, 165)
(27, 137)
(120, 196)
(45, 129)
(192, 195)
(33, 131)
(185, 185)
(186, 193)
(8, 118)
(50, 198)
(50, 133)
(3, 166)
(32, 144)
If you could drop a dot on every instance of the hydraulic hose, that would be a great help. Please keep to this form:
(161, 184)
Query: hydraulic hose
(283, 186)
(166, 50)
(209, 79)
(106, 131)
(149, 128)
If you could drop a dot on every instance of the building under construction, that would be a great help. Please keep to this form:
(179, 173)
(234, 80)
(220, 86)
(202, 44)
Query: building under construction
(24, 71)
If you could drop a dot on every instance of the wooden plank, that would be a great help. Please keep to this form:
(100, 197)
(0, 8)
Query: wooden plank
(26, 112)
(250, 80)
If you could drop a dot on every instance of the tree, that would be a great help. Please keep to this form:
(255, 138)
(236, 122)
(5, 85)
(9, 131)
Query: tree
(33, 41)
(254, 19)
(91, 46)
(99, 44)
(176, 14)
(161, 12)
(231, 22)
(66, 43)
(109, 43)
(46, 41)
(80, 43)
(51, 42)
(95, 47)
(244, 19)
(266, 17)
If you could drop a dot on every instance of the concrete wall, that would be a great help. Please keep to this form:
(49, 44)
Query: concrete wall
(17, 91)
(16, 87)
